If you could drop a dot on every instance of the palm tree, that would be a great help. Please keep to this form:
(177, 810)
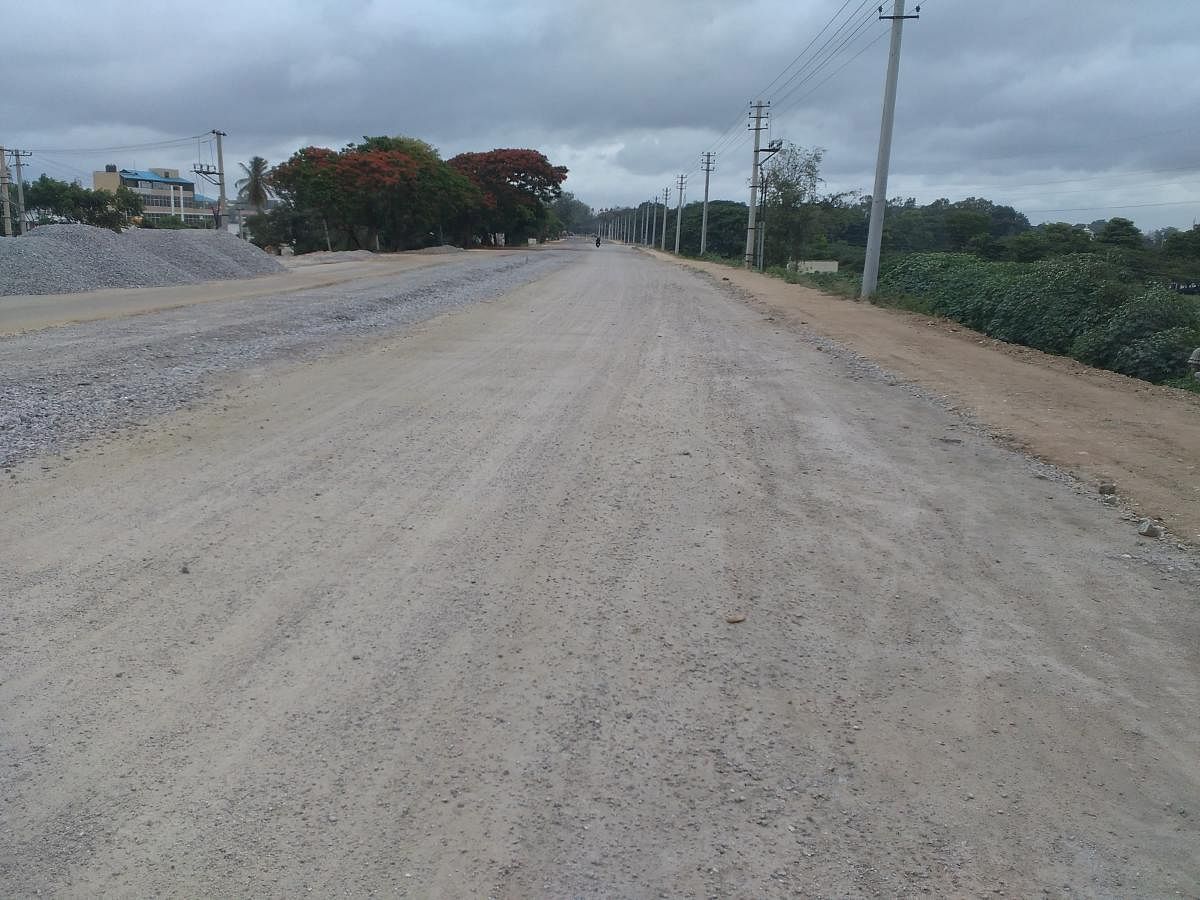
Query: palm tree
(254, 188)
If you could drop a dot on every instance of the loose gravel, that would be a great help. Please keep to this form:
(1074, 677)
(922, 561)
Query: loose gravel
(63, 259)
(61, 386)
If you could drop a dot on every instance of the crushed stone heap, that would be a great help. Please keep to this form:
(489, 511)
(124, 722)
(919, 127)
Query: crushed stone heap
(62, 259)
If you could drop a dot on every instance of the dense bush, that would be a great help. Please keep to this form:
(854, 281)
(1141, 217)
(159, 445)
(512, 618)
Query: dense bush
(1053, 301)
(1085, 305)
(1149, 337)
(960, 286)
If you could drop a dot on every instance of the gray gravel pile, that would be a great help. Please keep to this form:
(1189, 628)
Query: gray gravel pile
(60, 259)
(64, 385)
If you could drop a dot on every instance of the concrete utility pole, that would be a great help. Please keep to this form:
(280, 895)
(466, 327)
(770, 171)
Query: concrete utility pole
(762, 220)
(707, 165)
(757, 111)
(772, 148)
(679, 211)
(653, 221)
(870, 279)
(221, 176)
(4, 205)
(17, 155)
(666, 200)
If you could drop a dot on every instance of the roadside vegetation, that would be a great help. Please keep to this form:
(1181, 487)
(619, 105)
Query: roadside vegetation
(50, 201)
(1100, 292)
(397, 193)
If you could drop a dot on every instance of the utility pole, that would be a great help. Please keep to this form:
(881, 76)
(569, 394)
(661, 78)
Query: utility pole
(707, 165)
(679, 211)
(221, 175)
(870, 279)
(772, 148)
(757, 111)
(17, 155)
(653, 221)
(666, 200)
(4, 205)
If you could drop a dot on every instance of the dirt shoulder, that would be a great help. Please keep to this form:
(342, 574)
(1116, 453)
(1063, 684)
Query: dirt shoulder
(1092, 423)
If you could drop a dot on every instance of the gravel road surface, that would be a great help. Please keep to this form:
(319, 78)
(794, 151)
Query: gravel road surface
(1097, 425)
(61, 385)
(612, 587)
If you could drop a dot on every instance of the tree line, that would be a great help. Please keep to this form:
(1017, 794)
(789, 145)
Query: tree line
(397, 193)
(1102, 292)
(801, 221)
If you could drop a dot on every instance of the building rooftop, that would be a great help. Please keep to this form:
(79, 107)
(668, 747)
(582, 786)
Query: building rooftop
(140, 175)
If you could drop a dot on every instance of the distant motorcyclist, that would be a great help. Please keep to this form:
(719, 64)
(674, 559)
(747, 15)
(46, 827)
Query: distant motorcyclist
(597, 240)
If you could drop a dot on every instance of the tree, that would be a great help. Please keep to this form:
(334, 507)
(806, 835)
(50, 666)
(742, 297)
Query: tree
(964, 226)
(1118, 232)
(307, 181)
(1183, 245)
(792, 178)
(573, 215)
(516, 187)
(427, 203)
(61, 201)
(254, 188)
(386, 193)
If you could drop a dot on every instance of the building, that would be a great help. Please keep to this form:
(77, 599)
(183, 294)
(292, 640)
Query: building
(163, 193)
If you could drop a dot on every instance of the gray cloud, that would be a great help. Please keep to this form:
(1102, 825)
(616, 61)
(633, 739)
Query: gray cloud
(995, 99)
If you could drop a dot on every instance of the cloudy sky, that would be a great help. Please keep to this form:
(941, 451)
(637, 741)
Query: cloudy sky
(1068, 109)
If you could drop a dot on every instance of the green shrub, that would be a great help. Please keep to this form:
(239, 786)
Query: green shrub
(1090, 306)
(1150, 336)
(1049, 303)
(960, 286)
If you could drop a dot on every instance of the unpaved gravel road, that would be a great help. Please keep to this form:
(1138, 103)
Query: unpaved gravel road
(1097, 425)
(445, 614)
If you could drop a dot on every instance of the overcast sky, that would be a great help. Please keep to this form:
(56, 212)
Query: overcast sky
(1069, 109)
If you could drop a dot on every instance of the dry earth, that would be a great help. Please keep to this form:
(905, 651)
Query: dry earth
(447, 614)
(1095, 424)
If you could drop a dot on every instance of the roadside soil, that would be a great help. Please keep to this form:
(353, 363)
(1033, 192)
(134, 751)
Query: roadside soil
(609, 587)
(1095, 424)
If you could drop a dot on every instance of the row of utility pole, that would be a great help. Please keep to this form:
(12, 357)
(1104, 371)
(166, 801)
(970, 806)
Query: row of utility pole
(760, 113)
(641, 226)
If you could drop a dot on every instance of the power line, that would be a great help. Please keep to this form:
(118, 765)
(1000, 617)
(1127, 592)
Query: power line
(154, 145)
(732, 132)
(58, 163)
(819, 61)
(998, 185)
(799, 55)
(879, 37)
(1107, 206)
(1187, 129)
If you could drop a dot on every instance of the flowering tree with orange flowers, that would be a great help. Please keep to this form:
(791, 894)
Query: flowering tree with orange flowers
(516, 188)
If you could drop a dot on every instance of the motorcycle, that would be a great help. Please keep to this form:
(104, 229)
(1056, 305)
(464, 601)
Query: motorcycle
(597, 242)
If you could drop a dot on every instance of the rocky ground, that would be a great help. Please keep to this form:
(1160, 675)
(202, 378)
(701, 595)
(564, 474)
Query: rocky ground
(59, 386)
(59, 259)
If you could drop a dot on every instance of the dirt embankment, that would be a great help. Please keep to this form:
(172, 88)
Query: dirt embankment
(1095, 424)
